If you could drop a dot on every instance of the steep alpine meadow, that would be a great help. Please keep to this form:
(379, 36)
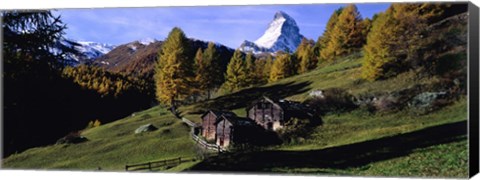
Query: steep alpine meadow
(370, 97)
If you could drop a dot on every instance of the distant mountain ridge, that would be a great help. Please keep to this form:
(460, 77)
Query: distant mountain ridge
(138, 57)
(94, 50)
(88, 52)
(134, 58)
(282, 34)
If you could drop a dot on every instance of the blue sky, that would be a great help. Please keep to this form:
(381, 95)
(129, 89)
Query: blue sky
(228, 25)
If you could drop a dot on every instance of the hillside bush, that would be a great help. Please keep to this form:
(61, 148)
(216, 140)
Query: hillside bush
(72, 138)
(295, 131)
(92, 124)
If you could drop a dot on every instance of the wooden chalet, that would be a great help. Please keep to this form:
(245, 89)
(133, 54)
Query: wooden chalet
(232, 129)
(209, 119)
(272, 115)
(264, 117)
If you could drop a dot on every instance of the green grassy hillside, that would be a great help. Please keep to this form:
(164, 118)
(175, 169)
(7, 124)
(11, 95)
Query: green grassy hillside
(350, 143)
(113, 145)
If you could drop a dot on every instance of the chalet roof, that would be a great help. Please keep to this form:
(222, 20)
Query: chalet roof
(285, 105)
(219, 113)
(235, 120)
(264, 98)
(292, 105)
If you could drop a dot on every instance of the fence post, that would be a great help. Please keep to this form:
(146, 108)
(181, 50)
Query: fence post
(179, 160)
(150, 166)
(126, 167)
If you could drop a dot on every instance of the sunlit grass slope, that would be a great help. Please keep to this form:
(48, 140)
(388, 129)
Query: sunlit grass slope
(351, 143)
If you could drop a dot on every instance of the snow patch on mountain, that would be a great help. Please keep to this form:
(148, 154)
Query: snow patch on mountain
(147, 41)
(105, 62)
(87, 51)
(132, 47)
(248, 46)
(282, 34)
(93, 50)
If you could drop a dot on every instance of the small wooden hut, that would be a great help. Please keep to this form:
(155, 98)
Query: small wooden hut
(272, 115)
(209, 119)
(232, 129)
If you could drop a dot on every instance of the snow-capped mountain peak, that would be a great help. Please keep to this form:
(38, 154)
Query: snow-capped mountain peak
(282, 34)
(282, 15)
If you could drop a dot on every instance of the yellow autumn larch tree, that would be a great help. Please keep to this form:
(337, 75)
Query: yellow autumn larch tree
(173, 69)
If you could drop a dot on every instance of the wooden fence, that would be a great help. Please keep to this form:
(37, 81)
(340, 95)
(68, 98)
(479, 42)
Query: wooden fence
(201, 142)
(206, 145)
(154, 164)
(190, 123)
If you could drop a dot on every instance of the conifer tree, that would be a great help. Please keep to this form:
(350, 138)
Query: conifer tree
(377, 51)
(292, 65)
(214, 70)
(317, 47)
(201, 72)
(267, 68)
(326, 36)
(350, 24)
(308, 60)
(366, 27)
(259, 71)
(394, 40)
(173, 69)
(198, 58)
(235, 77)
(280, 68)
(34, 36)
(250, 68)
(305, 56)
(299, 54)
(262, 69)
(346, 35)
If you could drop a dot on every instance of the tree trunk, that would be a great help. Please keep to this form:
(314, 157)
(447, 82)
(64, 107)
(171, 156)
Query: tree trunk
(173, 108)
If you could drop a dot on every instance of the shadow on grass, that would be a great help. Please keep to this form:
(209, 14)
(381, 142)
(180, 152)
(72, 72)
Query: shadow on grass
(341, 157)
(244, 97)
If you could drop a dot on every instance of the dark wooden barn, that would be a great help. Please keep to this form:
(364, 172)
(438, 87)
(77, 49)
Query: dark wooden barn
(267, 113)
(233, 129)
(209, 119)
(272, 114)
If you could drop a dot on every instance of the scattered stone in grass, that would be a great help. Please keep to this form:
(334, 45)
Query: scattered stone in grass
(145, 128)
(425, 101)
(316, 93)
